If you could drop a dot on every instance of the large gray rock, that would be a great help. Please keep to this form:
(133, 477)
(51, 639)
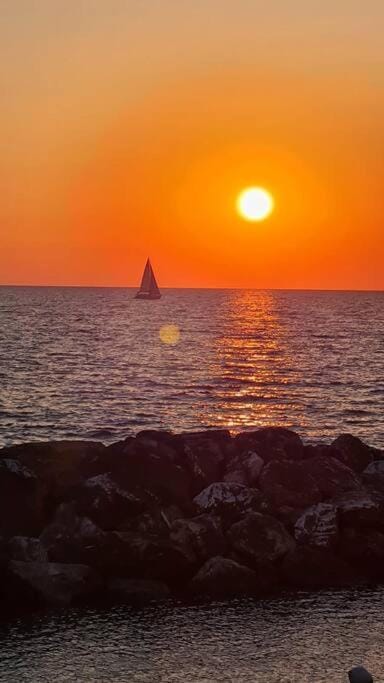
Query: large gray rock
(260, 539)
(318, 526)
(222, 577)
(229, 501)
(47, 582)
(201, 537)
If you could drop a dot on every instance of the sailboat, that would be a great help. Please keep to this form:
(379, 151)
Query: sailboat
(148, 288)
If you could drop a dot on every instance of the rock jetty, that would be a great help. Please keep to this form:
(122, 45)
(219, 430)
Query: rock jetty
(203, 514)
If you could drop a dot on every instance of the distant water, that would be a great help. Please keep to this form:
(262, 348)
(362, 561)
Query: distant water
(89, 363)
(307, 639)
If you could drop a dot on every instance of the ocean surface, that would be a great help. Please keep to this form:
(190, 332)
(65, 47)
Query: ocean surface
(90, 363)
(306, 639)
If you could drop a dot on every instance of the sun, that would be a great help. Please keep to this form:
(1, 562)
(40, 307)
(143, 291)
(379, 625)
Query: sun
(255, 204)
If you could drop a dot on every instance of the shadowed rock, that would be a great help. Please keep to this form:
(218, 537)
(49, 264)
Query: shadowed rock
(137, 591)
(352, 452)
(201, 537)
(22, 499)
(272, 443)
(301, 484)
(221, 576)
(52, 583)
(260, 539)
(318, 526)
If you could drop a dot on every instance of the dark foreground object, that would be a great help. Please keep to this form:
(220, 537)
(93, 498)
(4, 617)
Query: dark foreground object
(202, 514)
(360, 675)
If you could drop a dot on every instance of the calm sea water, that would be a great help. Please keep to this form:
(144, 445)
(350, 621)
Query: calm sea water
(89, 362)
(307, 639)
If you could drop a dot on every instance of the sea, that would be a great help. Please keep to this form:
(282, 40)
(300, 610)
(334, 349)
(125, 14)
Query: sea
(306, 638)
(94, 363)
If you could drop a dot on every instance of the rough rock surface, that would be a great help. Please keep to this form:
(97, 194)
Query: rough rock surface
(221, 576)
(164, 513)
(318, 526)
(229, 501)
(47, 582)
(260, 538)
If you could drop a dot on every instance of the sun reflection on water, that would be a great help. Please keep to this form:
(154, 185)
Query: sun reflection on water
(255, 362)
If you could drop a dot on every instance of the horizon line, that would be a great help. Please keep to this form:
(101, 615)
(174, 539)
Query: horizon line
(273, 289)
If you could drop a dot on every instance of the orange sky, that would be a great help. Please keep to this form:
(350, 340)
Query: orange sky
(129, 127)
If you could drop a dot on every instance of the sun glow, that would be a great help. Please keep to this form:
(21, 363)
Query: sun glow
(255, 204)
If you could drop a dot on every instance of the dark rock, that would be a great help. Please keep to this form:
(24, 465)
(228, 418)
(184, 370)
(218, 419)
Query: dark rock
(222, 577)
(27, 549)
(289, 484)
(236, 477)
(373, 475)
(70, 538)
(135, 468)
(51, 583)
(138, 591)
(364, 549)
(260, 539)
(253, 464)
(360, 509)
(359, 675)
(318, 526)
(154, 558)
(22, 500)
(301, 484)
(272, 443)
(203, 458)
(353, 452)
(201, 537)
(230, 501)
(309, 567)
(244, 468)
(332, 476)
(156, 522)
(61, 465)
(105, 502)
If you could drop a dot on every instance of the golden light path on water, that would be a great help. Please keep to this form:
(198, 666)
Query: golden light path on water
(255, 363)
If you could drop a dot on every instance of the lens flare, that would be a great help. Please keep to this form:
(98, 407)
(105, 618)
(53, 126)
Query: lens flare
(169, 334)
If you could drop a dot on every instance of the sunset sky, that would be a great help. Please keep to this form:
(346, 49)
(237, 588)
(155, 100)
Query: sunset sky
(129, 127)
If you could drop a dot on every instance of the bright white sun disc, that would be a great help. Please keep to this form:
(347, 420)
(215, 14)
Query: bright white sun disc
(255, 204)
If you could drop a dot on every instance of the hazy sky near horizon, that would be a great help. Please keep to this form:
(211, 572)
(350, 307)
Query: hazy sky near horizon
(129, 127)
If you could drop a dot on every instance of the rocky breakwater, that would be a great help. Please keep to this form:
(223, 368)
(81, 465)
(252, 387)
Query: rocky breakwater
(201, 514)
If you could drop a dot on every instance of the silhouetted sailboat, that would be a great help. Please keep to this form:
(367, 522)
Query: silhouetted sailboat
(148, 288)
